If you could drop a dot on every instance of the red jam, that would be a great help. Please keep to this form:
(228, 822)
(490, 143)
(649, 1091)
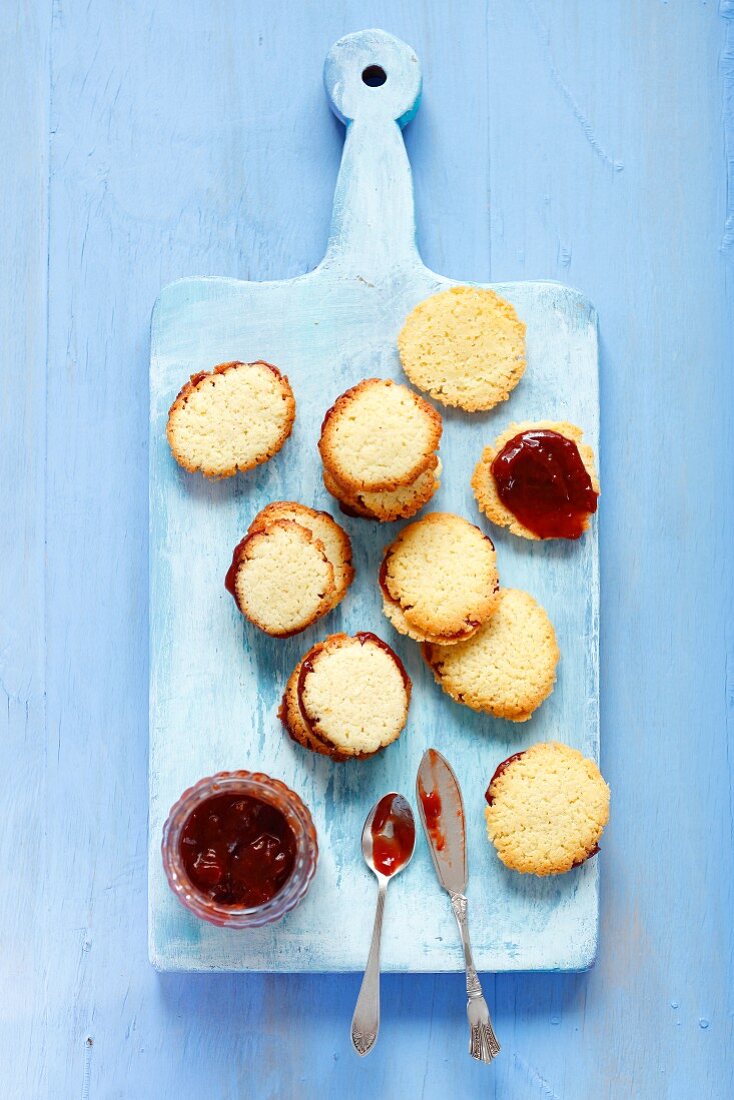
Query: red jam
(541, 479)
(237, 850)
(393, 834)
(431, 802)
(498, 772)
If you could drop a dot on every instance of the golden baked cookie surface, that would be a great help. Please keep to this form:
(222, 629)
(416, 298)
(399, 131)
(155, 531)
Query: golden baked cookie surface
(231, 419)
(547, 809)
(379, 436)
(354, 693)
(464, 347)
(281, 579)
(324, 528)
(442, 572)
(508, 667)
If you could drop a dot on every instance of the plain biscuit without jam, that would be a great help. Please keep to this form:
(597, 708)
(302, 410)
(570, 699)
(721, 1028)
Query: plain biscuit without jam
(231, 419)
(464, 346)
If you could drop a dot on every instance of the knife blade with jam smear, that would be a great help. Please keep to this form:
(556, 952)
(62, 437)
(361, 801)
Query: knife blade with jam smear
(441, 809)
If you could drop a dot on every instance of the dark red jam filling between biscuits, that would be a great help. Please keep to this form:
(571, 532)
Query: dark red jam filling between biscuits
(230, 580)
(499, 770)
(541, 479)
(237, 850)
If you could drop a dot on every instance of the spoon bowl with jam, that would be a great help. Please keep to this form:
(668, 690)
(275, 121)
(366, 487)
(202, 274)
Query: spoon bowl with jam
(388, 840)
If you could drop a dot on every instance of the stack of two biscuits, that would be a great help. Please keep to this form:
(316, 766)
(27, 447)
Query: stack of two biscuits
(292, 567)
(378, 445)
(492, 649)
(347, 698)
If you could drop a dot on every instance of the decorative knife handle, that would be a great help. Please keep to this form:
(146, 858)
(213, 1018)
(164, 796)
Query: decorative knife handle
(366, 1018)
(483, 1043)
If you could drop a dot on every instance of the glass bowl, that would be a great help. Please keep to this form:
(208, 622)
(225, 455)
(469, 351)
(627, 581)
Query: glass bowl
(262, 787)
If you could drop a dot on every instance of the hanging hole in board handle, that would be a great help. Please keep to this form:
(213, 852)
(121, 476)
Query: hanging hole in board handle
(372, 76)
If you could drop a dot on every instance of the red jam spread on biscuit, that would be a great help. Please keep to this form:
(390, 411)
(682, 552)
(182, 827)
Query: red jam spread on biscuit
(237, 850)
(393, 835)
(542, 480)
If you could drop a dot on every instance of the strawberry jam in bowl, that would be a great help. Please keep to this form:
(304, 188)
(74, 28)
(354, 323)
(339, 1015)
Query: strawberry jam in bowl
(239, 849)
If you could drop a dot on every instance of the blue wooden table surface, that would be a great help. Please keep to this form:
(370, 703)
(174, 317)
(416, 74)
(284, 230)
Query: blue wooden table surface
(562, 139)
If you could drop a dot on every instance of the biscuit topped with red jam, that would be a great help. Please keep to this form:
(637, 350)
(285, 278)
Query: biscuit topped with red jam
(539, 480)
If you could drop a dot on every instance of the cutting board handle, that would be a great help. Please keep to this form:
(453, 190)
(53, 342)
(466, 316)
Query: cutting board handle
(373, 82)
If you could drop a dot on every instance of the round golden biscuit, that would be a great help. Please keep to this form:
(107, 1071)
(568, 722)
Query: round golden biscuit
(508, 667)
(281, 578)
(354, 693)
(485, 488)
(324, 528)
(464, 346)
(379, 436)
(231, 419)
(546, 809)
(442, 573)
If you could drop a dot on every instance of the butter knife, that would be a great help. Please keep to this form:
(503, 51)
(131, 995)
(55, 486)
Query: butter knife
(441, 810)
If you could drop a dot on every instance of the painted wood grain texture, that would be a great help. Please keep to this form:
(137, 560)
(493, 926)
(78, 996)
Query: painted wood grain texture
(177, 138)
(215, 682)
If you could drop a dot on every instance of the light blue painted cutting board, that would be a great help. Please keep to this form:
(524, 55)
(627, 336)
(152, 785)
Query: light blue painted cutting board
(215, 682)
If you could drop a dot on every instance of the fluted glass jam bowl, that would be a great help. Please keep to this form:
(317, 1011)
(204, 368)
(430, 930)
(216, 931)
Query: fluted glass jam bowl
(198, 810)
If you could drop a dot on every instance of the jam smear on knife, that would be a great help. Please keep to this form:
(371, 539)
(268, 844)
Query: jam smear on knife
(431, 802)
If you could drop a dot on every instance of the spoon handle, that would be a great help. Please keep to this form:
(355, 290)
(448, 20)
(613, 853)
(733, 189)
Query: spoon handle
(366, 1018)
